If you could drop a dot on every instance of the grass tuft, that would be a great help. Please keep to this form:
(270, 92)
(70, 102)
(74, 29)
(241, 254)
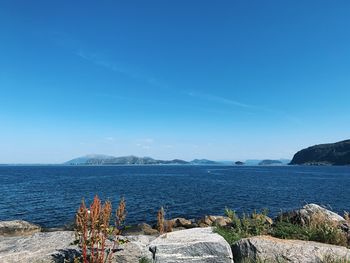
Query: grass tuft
(319, 229)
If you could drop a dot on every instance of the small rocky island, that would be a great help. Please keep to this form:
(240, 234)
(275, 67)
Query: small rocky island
(324, 154)
(270, 162)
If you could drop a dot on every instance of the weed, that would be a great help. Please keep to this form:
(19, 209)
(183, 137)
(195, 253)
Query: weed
(145, 260)
(93, 229)
(318, 228)
(160, 220)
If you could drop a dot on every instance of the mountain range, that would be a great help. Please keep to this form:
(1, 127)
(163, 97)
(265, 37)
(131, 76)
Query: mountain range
(100, 159)
(97, 159)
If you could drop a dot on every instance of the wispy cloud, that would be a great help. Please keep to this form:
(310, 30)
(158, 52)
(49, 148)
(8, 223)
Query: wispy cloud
(220, 100)
(99, 61)
(120, 68)
(242, 105)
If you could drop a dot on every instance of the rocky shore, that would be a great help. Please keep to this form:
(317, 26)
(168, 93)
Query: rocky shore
(190, 241)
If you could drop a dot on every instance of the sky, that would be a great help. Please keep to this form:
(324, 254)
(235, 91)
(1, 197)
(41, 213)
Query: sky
(223, 80)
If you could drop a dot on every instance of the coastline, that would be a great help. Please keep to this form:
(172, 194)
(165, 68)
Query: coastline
(211, 236)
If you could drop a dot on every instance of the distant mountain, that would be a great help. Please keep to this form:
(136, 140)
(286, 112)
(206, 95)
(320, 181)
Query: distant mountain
(124, 160)
(254, 162)
(85, 159)
(270, 162)
(99, 159)
(324, 154)
(204, 162)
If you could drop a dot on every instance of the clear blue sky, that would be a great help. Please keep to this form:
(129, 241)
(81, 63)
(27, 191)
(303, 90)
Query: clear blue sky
(187, 79)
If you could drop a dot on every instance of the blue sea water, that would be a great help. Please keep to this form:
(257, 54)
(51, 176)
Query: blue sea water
(50, 195)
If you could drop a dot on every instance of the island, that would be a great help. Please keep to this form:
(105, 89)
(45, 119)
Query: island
(271, 162)
(100, 159)
(324, 154)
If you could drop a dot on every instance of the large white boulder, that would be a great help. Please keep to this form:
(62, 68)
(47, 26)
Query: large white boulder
(304, 215)
(18, 228)
(192, 245)
(196, 245)
(270, 249)
(38, 248)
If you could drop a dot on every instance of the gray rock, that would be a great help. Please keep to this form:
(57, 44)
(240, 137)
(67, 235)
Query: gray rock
(269, 249)
(39, 247)
(191, 245)
(196, 245)
(140, 229)
(214, 220)
(181, 222)
(18, 228)
(134, 249)
(303, 215)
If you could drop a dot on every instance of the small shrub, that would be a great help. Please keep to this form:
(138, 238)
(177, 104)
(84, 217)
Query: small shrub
(160, 220)
(248, 225)
(93, 229)
(321, 229)
(287, 230)
(229, 234)
(120, 217)
(318, 228)
(145, 260)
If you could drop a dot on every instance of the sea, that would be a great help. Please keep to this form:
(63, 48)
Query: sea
(51, 195)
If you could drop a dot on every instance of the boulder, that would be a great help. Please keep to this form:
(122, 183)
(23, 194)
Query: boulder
(182, 222)
(263, 218)
(140, 229)
(190, 245)
(134, 249)
(214, 220)
(220, 222)
(39, 247)
(269, 249)
(18, 228)
(304, 215)
(196, 245)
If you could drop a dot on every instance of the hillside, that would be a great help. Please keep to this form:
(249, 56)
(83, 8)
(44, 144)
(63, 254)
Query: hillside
(324, 154)
(271, 162)
(132, 160)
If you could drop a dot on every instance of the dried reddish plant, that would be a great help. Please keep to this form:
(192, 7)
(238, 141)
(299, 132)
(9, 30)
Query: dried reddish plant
(92, 229)
(120, 216)
(160, 220)
(81, 231)
(104, 227)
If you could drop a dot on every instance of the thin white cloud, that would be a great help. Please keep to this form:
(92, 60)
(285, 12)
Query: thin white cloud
(219, 99)
(226, 101)
(97, 60)
(133, 73)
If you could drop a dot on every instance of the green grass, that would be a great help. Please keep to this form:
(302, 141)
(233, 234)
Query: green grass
(329, 259)
(145, 260)
(247, 226)
(319, 229)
